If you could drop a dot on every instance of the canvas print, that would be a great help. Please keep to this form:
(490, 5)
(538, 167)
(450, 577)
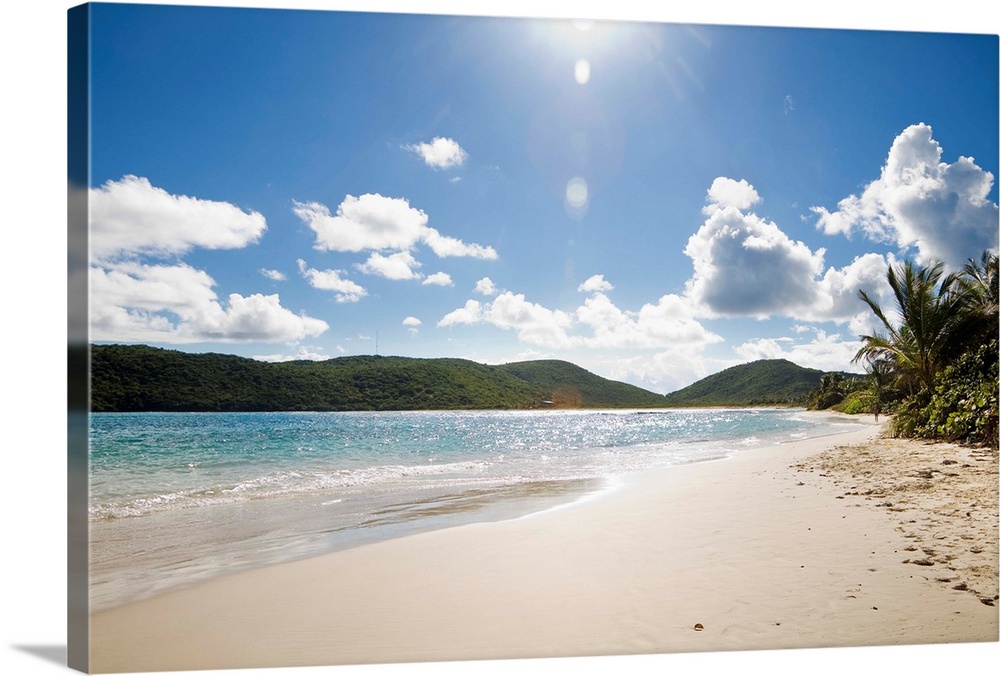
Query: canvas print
(403, 338)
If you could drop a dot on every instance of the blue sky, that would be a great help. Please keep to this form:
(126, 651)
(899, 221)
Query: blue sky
(652, 201)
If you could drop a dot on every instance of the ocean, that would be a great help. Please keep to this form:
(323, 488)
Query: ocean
(180, 497)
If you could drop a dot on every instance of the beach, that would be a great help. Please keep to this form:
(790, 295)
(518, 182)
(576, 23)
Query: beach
(843, 540)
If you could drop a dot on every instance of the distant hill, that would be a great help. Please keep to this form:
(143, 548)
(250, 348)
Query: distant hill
(143, 378)
(768, 382)
(570, 385)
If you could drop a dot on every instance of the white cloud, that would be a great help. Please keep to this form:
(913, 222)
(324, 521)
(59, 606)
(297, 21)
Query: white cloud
(412, 323)
(131, 216)
(302, 354)
(670, 322)
(445, 246)
(824, 352)
(372, 222)
(366, 223)
(531, 355)
(789, 104)
(135, 301)
(397, 266)
(747, 266)
(260, 317)
(486, 287)
(438, 279)
(744, 265)
(725, 192)
(273, 275)
(471, 313)
(440, 153)
(838, 289)
(175, 303)
(665, 371)
(533, 323)
(330, 280)
(595, 283)
(919, 201)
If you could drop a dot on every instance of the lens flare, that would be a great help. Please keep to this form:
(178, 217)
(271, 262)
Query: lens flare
(577, 197)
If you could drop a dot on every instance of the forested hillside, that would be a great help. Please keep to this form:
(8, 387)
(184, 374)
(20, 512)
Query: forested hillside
(142, 378)
(768, 382)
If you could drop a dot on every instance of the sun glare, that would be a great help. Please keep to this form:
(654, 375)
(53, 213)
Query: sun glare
(577, 197)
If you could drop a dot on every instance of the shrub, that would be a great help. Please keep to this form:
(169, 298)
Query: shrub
(963, 406)
(859, 401)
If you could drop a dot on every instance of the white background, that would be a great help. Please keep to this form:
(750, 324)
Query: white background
(32, 363)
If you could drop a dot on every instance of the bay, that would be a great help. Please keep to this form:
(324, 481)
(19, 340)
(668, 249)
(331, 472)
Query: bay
(180, 497)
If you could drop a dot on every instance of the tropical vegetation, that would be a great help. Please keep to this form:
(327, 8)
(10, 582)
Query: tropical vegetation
(144, 378)
(766, 382)
(933, 363)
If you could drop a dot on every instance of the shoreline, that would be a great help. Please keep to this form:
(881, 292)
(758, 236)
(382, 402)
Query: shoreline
(170, 549)
(745, 547)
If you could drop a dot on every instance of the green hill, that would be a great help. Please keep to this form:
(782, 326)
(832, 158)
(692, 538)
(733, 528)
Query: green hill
(768, 382)
(143, 378)
(570, 385)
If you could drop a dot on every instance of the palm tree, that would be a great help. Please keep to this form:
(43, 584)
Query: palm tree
(979, 282)
(833, 387)
(881, 374)
(933, 321)
(982, 279)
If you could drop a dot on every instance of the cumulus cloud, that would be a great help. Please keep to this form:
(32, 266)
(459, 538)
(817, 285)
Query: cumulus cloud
(838, 289)
(344, 289)
(440, 153)
(486, 287)
(940, 209)
(597, 324)
(176, 303)
(745, 265)
(471, 313)
(273, 275)
(132, 217)
(824, 352)
(412, 323)
(670, 321)
(438, 279)
(133, 300)
(663, 371)
(397, 266)
(445, 246)
(726, 192)
(304, 353)
(366, 223)
(532, 322)
(595, 283)
(372, 222)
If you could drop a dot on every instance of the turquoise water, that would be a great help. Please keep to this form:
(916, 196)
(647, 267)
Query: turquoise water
(178, 497)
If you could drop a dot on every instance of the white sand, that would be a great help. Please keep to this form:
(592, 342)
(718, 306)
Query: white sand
(764, 550)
